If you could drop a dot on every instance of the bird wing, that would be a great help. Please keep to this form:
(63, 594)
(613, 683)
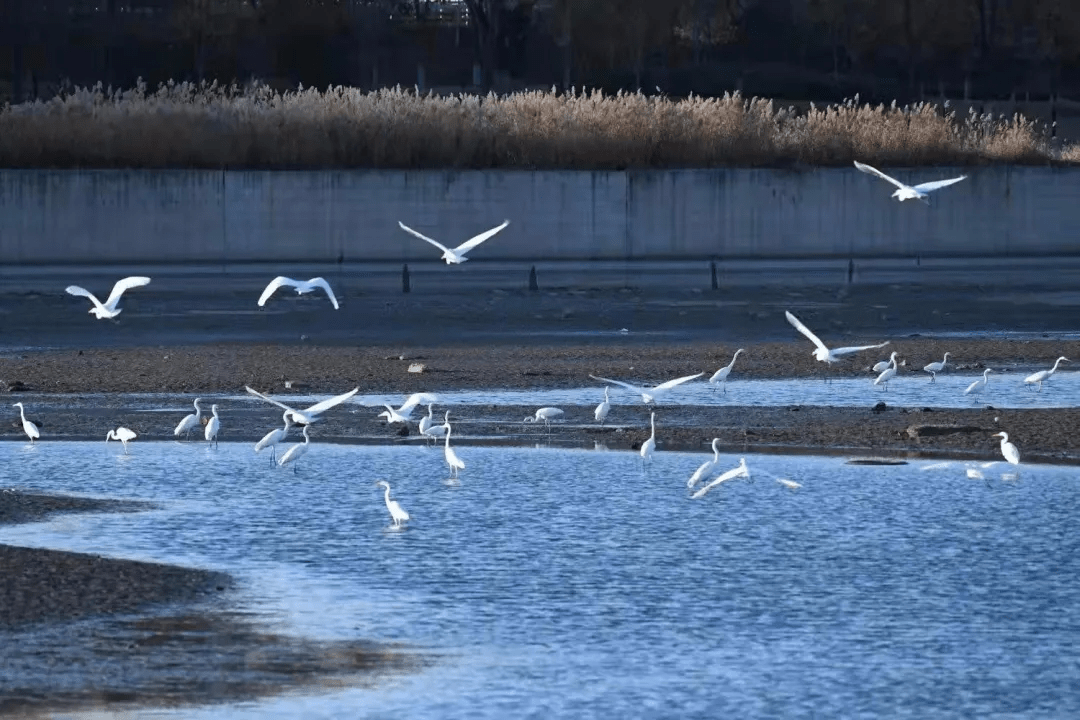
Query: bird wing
(849, 350)
(327, 404)
(258, 394)
(677, 381)
(274, 285)
(83, 292)
(321, 283)
(626, 385)
(874, 171)
(938, 184)
(123, 285)
(470, 244)
(425, 238)
(805, 330)
(417, 398)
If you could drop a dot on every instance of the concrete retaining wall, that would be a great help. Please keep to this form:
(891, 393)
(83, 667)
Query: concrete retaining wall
(109, 216)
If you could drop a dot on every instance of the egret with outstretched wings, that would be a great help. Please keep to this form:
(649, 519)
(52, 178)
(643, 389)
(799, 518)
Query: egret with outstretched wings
(910, 192)
(302, 287)
(456, 256)
(108, 309)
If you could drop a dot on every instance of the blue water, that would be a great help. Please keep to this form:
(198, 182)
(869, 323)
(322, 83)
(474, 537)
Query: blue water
(558, 583)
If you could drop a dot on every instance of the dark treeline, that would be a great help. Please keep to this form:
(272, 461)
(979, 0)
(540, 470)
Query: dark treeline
(796, 49)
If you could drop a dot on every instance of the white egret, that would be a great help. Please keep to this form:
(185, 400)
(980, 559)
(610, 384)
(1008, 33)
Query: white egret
(190, 421)
(293, 454)
(880, 367)
(425, 422)
(272, 438)
(311, 414)
(456, 256)
(29, 428)
(651, 395)
(887, 374)
(935, 367)
(122, 434)
(452, 459)
(706, 466)
(437, 431)
(108, 309)
(739, 471)
(822, 353)
(212, 427)
(910, 192)
(720, 376)
(302, 287)
(789, 483)
(603, 408)
(979, 385)
(1044, 375)
(1008, 450)
(649, 445)
(397, 514)
(546, 414)
(404, 413)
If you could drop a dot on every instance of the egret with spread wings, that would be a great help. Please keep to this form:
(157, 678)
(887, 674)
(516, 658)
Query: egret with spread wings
(650, 395)
(308, 415)
(824, 354)
(108, 310)
(456, 256)
(910, 192)
(302, 287)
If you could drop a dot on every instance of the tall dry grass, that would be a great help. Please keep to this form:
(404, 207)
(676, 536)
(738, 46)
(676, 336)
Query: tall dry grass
(211, 126)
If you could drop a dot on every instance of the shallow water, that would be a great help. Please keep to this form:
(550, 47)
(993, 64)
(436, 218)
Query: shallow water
(573, 584)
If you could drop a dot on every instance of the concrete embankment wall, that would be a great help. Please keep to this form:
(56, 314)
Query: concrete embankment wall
(110, 216)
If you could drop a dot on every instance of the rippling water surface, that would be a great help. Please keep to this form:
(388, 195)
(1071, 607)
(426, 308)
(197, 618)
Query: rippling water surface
(559, 583)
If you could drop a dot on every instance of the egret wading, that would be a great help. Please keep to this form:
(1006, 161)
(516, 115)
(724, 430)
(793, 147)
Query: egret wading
(720, 376)
(213, 427)
(1044, 375)
(272, 438)
(29, 428)
(295, 452)
(1008, 450)
(397, 513)
(935, 367)
(123, 434)
(603, 408)
(706, 467)
(977, 387)
(649, 445)
(739, 471)
(887, 374)
(189, 422)
(451, 457)
(546, 414)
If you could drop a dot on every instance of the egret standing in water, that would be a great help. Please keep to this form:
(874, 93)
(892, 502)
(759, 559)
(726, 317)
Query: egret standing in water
(452, 459)
(649, 445)
(397, 514)
(603, 408)
(293, 454)
(122, 434)
(888, 374)
(29, 428)
(1044, 375)
(437, 431)
(272, 438)
(546, 414)
(190, 421)
(425, 422)
(720, 376)
(739, 471)
(706, 466)
(935, 367)
(108, 310)
(1008, 450)
(212, 427)
(910, 192)
(979, 385)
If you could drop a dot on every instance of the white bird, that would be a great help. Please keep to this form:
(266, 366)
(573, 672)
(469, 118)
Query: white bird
(706, 466)
(651, 395)
(1008, 450)
(979, 385)
(437, 431)
(788, 483)
(910, 192)
(311, 414)
(272, 438)
(887, 374)
(824, 354)
(935, 367)
(603, 408)
(302, 287)
(397, 514)
(739, 471)
(721, 375)
(452, 459)
(1044, 375)
(293, 454)
(108, 309)
(546, 414)
(123, 435)
(425, 422)
(189, 421)
(456, 256)
(404, 413)
(29, 428)
(882, 366)
(649, 445)
(212, 427)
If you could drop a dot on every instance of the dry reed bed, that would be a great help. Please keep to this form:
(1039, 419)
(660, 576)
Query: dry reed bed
(211, 126)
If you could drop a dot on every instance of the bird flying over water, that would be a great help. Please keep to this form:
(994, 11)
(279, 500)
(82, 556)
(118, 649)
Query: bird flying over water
(108, 309)
(456, 256)
(910, 192)
(302, 287)
(823, 353)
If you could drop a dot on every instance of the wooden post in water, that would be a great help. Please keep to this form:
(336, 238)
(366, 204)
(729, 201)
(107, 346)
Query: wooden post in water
(406, 284)
(712, 271)
(533, 286)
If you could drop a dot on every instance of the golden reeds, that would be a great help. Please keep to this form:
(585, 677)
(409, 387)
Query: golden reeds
(211, 126)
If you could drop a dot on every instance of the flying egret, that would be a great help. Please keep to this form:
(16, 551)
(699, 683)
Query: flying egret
(653, 394)
(603, 408)
(122, 434)
(721, 375)
(108, 309)
(738, 471)
(189, 421)
(935, 367)
(302, 287)
(456, 256)
(397, 514)
(1012, 455)
(452, 459)
(1044, 375)
(822, 353)
(545, 414)
(404, 413)
(272, 438)
(311, 414)
(649, 445)
(293, 454)
(887, 374)
(29, 428)
(910, 192)
(437, 431)
(706, 466)
(212, 427)
(979, 385)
